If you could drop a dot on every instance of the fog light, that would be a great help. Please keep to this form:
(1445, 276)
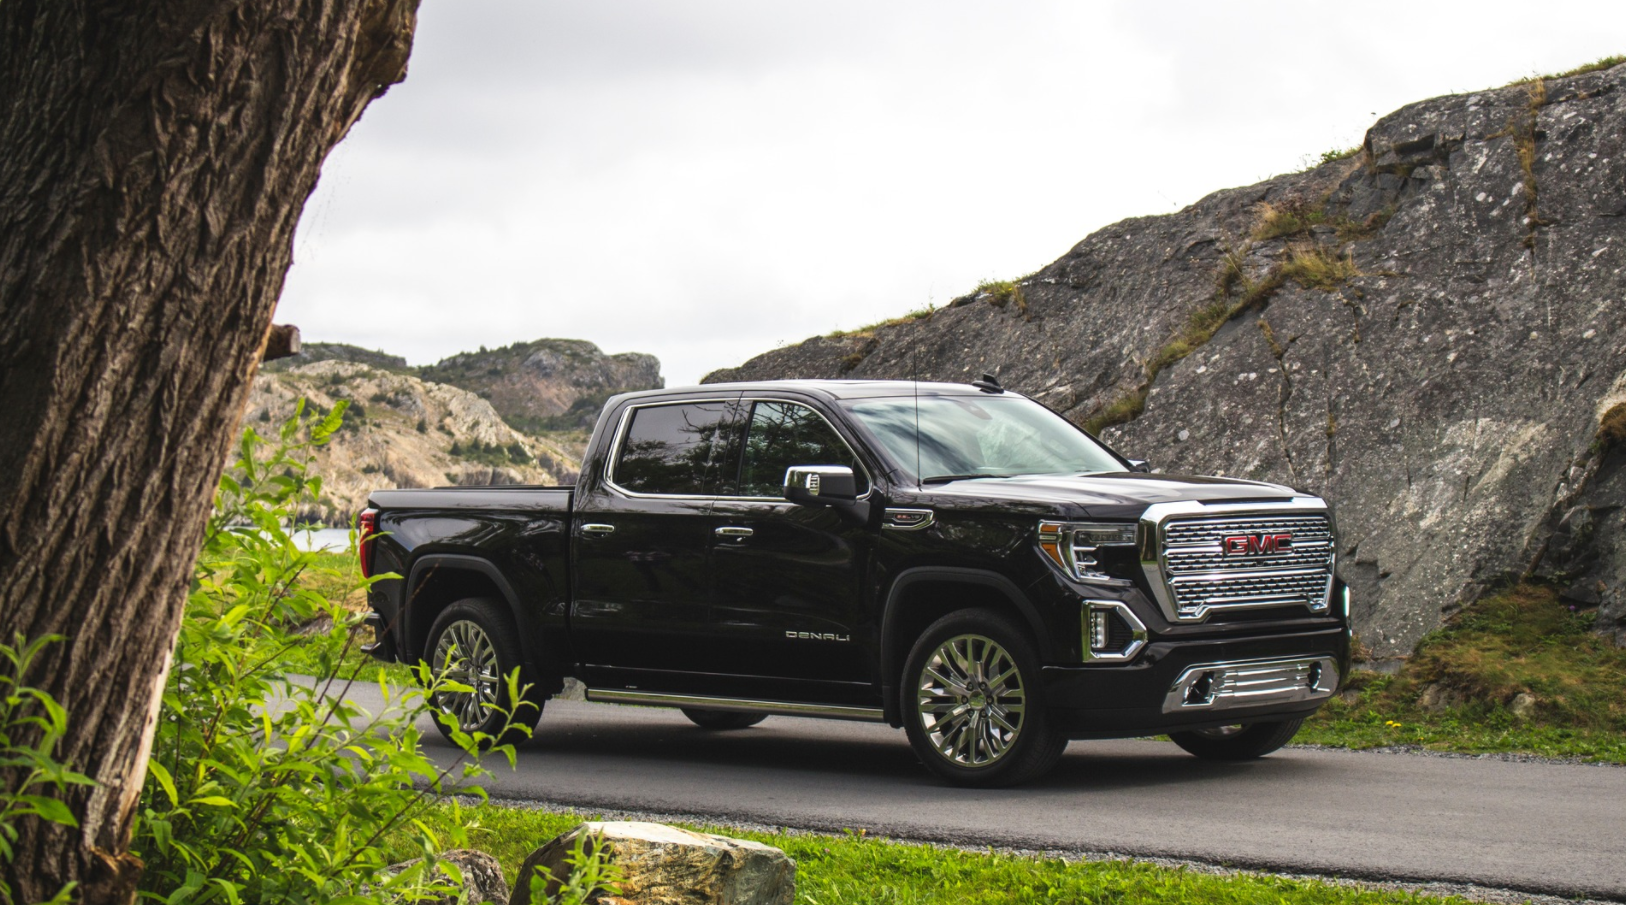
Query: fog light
(1202, 690)
(1098, 629)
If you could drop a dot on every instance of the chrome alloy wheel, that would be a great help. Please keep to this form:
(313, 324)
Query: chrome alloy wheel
(971, 701)
(465, 654)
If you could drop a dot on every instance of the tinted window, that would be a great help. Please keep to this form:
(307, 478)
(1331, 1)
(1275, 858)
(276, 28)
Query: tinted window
(980, 435)
(668, 448)
(782, 434)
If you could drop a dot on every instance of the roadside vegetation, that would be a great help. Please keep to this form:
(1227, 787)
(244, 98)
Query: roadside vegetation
(854, 869)
(1518, 672)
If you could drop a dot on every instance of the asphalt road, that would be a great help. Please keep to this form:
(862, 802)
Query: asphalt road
(1534, 827)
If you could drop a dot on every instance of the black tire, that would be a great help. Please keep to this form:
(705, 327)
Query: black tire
(722, 720)
(458, 632)
(1242, 742)
(975, 737)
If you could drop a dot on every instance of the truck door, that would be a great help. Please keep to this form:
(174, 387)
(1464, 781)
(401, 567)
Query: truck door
(788, 577)
(642, 543)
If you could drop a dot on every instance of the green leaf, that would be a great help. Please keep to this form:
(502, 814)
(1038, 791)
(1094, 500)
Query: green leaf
(161, 773)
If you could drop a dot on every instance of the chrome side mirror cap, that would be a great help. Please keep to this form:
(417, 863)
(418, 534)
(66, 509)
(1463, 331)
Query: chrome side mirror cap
(1140, 466)
(816, 485)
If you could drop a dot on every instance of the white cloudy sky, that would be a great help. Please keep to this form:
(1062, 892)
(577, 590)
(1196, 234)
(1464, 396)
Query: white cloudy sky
(704, 180)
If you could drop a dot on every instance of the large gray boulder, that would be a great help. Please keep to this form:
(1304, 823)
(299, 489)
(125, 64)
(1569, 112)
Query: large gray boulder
(664, 865)
(481, 879)
(1429, 333)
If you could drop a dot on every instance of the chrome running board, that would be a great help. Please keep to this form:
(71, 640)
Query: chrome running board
(743, 705)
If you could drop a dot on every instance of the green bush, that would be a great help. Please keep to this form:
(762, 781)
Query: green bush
(265, 786)
(31, 724)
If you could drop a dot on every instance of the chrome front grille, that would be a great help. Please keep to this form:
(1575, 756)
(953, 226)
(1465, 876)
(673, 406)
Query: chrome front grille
(1205, 558)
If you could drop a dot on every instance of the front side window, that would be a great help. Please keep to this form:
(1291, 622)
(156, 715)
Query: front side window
(981, 436)
(782, 434)
(668, 448)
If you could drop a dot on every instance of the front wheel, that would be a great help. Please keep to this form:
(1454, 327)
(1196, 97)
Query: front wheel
(472, 644)
(722, 720)
(1244, 741)
(973, 706)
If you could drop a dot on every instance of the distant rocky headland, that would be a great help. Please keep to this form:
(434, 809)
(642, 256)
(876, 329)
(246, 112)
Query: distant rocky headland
(1429, 330)
(515, 415)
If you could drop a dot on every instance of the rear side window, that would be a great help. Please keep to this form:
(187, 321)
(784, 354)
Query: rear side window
(668, 448)
(782, 434)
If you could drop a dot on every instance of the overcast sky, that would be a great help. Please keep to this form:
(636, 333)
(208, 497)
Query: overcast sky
(706, 180)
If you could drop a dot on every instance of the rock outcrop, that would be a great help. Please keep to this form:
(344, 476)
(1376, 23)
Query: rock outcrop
(1430, 332)
(478, 880)
(400, 431)
(664, 865)
(548, 384)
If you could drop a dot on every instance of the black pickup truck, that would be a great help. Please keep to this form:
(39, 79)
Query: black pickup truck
(955, 560)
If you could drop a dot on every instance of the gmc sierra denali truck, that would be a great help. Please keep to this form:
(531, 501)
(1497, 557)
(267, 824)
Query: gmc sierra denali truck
(955, 560)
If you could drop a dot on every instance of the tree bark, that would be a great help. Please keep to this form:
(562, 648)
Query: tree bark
(154, 160)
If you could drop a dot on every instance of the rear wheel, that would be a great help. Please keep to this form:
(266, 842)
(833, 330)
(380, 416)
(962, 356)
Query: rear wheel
(721, 720)
(1243, 741)
(473, 644)
(973, 706)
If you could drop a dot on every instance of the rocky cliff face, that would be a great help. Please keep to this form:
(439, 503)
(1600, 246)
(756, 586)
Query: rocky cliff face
(1430, 332)
(401, 431)
(548, 384)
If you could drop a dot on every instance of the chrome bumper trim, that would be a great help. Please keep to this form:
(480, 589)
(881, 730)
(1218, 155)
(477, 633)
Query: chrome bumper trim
(1252, 683)
(745, 705)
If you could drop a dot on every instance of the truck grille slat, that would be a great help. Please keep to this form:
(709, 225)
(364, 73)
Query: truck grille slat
(1292, 566)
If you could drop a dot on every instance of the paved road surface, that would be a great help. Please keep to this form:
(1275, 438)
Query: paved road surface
(1532, 827)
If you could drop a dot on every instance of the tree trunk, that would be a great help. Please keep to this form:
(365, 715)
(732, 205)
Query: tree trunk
(154, 160)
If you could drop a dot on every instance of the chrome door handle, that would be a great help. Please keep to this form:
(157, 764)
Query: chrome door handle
(598, 529)
(730, 531)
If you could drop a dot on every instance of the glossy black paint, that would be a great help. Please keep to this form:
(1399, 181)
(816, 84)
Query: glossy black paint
(808, 606)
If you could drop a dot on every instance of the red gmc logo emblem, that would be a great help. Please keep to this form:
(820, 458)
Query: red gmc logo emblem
(1257, 544)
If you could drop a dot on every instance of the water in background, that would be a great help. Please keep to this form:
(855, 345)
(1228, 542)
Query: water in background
(336, 540)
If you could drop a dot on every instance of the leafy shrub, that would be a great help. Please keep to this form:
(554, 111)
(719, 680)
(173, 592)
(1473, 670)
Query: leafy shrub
(31, 724)
(265, 786)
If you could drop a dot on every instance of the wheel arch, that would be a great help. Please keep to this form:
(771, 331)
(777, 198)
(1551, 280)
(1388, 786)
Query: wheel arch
(438, 580)
(922, 595)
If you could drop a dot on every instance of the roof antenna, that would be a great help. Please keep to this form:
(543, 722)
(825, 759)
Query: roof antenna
(988, 384)
(914, 377)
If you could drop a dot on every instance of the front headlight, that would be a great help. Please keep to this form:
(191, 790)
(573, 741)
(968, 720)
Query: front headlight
(1071, 546)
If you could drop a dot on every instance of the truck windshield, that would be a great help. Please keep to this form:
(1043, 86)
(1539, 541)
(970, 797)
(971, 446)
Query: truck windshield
(964, 437)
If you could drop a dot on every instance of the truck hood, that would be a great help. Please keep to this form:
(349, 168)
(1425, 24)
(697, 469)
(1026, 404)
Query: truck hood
(1121, 495)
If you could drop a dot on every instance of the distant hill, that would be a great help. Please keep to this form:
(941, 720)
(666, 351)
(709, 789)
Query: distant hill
(547, 384)
(401, 431)
(314, 352)
(515, 415)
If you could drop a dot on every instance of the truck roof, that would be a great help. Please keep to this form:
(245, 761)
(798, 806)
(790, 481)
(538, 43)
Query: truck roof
(829, 389)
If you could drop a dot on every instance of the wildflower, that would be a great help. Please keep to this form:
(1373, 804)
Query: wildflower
(1392, 724)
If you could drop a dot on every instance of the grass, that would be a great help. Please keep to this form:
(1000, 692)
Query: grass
(1597, 65)
(1004, 292)
(918, 314)
(1522, 641)
(837, 870)
(1316, 266)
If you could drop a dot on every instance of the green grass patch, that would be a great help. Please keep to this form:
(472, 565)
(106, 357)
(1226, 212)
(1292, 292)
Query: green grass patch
(1004, 292)
(838, 870)
(1316, 266)
(919, 314)
(1597, 65)
(1458, 692)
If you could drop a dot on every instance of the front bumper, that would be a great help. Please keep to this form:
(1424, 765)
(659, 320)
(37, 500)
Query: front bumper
(1196, 684)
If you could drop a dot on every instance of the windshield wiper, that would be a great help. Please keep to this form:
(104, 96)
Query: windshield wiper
(945, 478)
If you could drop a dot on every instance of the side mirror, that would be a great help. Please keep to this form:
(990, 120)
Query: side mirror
(1140, 466)
(820, 485)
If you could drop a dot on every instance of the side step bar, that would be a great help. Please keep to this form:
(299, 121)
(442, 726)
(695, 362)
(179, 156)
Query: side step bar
(746, 705)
